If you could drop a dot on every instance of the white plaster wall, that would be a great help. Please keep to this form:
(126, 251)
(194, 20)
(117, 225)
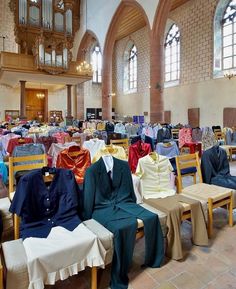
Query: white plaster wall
(92, 95)
(57, 100)
(210, 96)
(9, 100)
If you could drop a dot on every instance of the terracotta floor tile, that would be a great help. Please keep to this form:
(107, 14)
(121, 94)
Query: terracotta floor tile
(202, 273)
(166, 285)
(187, 280)
(143, 280)
(224, 281)
(163, 274)
(217, 265)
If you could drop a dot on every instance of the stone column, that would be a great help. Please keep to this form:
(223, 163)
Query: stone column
(156, 82)
(106, 89)
(69, 117)
(22, 100)
(80, 101)
(156, 61)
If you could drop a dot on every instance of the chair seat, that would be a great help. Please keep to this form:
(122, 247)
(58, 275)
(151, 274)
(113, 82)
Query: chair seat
(16, 264)
(15, 258)
(205, 191)
(6, 217)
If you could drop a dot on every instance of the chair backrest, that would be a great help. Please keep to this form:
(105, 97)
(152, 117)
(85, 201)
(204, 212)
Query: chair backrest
(120, 142)
(175, 133)
(24, 163)
(76, 139)
(220, 136)
(185, 162)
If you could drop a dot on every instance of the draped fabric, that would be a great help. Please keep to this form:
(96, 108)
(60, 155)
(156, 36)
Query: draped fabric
(173, 208)
(215, 168)
(75, 159)
(185, 136)
(14, 142)
(208, 138)
(137, 151)
(114, 150)
(112, 203)
(46, 141)
(154, 171)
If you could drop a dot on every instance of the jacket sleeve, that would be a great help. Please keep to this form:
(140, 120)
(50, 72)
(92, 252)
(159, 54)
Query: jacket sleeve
(19, 198)
(88, 194)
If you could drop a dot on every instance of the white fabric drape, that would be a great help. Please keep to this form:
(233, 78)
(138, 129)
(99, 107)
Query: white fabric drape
(62, 254)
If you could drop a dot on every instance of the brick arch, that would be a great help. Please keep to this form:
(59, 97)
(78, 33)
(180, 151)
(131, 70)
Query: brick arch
(107, 54)
(88, 39)
(156, 61)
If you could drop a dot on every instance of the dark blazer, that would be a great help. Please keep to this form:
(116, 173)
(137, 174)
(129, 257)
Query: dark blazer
(113, 204)
(215, 168)
(99, 196)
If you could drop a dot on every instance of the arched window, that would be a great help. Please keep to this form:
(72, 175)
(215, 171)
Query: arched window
(172, 54)
(224, 37)
(130, 68)
(97, 64)
(229, 36)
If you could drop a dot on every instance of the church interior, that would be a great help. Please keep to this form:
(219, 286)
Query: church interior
(117, 144)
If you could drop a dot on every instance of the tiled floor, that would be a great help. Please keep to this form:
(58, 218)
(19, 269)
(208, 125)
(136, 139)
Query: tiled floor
(212, 267)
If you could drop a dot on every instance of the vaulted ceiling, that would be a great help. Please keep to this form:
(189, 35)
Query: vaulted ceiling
(132, 20)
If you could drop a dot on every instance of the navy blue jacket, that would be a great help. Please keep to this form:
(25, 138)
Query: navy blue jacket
(41, 207)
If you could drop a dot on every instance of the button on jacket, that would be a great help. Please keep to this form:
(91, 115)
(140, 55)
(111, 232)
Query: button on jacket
(41, 207)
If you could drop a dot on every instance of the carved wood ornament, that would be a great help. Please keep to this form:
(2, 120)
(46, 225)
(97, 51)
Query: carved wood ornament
(46, 29)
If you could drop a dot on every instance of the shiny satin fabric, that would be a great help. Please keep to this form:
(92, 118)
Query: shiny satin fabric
(137, 151)
(75, 159)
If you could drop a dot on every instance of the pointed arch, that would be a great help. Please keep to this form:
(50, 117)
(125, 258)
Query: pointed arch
(87, 40)
(156, 61)
(108, 50)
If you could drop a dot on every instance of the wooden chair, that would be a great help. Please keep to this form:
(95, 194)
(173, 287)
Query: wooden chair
(19, 164)
(14, 166)
(121, 142)
(175, 133)
(215, 196)
(220, 137)
(76, 139)
(185, 172)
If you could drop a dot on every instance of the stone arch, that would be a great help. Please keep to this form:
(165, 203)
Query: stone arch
(87, 40)
(156, 61)
(108, 50)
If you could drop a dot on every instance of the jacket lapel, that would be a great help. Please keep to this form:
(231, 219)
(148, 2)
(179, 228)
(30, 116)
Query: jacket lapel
(117, 173)
(104, 181)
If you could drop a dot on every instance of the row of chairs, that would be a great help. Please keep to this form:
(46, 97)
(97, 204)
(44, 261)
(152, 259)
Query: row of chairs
(182, 162)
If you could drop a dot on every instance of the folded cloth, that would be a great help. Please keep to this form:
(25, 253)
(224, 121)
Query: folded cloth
(173, 208)
(62, 254)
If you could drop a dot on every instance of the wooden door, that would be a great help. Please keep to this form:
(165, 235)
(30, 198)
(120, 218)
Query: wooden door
(35, 107)
(194, 117)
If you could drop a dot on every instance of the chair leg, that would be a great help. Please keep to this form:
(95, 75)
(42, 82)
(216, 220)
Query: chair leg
(1, 277)
(94, 278)
(16, 227)
(230, 207)
(210, 218)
